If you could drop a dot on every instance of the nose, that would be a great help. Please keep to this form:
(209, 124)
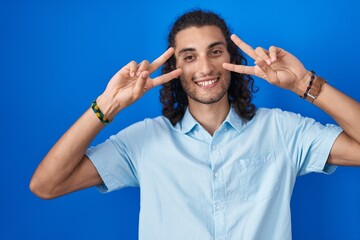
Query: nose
(205, 66)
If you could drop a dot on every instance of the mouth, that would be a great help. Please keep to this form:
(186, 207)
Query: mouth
(207, 82)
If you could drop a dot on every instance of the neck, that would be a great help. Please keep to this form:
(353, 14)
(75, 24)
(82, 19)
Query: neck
(210, 116)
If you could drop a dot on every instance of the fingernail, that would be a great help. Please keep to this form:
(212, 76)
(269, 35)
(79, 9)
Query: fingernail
(144, 75)
(268, 62)
(137, 73)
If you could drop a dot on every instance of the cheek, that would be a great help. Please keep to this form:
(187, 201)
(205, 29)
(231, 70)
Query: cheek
(188, 71)
(219, 65)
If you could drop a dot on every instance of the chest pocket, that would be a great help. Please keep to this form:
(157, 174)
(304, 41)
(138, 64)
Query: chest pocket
(255, 178)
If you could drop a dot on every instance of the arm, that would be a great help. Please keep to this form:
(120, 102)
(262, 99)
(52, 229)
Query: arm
(282, 69)
(346, 112)
(65, 168)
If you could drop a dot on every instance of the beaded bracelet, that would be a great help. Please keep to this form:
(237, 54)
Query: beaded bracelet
(314, 87)
(99, 114)
(313, 75)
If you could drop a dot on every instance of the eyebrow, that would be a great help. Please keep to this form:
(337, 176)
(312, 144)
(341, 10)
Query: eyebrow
(214, 44)
(186, 50)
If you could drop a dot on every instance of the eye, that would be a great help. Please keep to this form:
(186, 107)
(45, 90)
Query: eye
(216, 52)
(189, 58)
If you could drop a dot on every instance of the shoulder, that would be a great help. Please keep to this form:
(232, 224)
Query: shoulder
(268, 112)
(142, 127)
(263, 114)
(276, 118)
(157, 123)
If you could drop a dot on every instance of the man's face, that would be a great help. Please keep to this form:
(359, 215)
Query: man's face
(200, 53)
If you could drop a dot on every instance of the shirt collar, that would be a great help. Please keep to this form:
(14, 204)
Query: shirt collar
(188, 122)
(234, 120)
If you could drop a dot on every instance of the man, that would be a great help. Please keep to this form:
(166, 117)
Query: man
(213, 167)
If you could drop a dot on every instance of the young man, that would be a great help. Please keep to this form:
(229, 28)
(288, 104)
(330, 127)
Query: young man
(213, 167)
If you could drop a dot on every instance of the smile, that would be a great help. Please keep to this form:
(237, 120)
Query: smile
(207, 83)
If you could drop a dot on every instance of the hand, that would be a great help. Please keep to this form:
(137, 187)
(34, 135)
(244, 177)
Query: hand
(133, 81)
(275, 65)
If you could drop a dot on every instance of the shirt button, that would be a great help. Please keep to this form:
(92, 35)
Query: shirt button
(219, 207)
(213, 147)
(217, 174)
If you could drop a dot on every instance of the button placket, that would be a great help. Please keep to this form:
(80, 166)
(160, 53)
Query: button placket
(218, 186)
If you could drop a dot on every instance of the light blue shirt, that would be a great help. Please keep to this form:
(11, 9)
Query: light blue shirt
(236, 184)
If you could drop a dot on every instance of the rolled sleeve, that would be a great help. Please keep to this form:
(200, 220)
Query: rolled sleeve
(319, 151)
(113, 165)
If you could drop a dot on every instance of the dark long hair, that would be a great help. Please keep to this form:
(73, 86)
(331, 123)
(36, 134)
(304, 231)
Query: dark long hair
(241, 89)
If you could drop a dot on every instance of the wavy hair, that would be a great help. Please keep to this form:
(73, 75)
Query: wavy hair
(241, 89)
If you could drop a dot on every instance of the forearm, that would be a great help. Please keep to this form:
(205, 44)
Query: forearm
(66, 154)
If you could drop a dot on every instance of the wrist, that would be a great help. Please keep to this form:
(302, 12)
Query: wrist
(301, 86)
(108, 105)
(314, 85)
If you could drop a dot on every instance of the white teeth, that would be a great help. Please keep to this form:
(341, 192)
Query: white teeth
(206, 83)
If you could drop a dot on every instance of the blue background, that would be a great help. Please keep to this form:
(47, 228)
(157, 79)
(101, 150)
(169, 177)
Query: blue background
(57, 56)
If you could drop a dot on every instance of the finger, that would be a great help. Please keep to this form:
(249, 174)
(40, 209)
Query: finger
(269, 72)
(244, 47)
(132, 68)
(239, 68)
(139, 84)
(273, 53)
(263, 54)
(161, 60)
(142, 67)
(167, 77)
(127, 69)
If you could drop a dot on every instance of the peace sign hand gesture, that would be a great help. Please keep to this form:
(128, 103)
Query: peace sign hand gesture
(275, 65)
(132, 82)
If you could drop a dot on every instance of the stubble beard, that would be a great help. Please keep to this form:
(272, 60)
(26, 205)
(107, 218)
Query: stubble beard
(204, 99)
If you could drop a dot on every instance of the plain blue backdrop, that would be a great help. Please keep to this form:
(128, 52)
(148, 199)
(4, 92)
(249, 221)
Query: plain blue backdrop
(57, 56)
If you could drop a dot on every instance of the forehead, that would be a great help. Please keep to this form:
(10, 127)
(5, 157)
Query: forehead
(198, 37)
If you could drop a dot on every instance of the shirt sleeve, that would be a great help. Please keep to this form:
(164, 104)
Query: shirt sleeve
(117, 159)
(308, 142)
